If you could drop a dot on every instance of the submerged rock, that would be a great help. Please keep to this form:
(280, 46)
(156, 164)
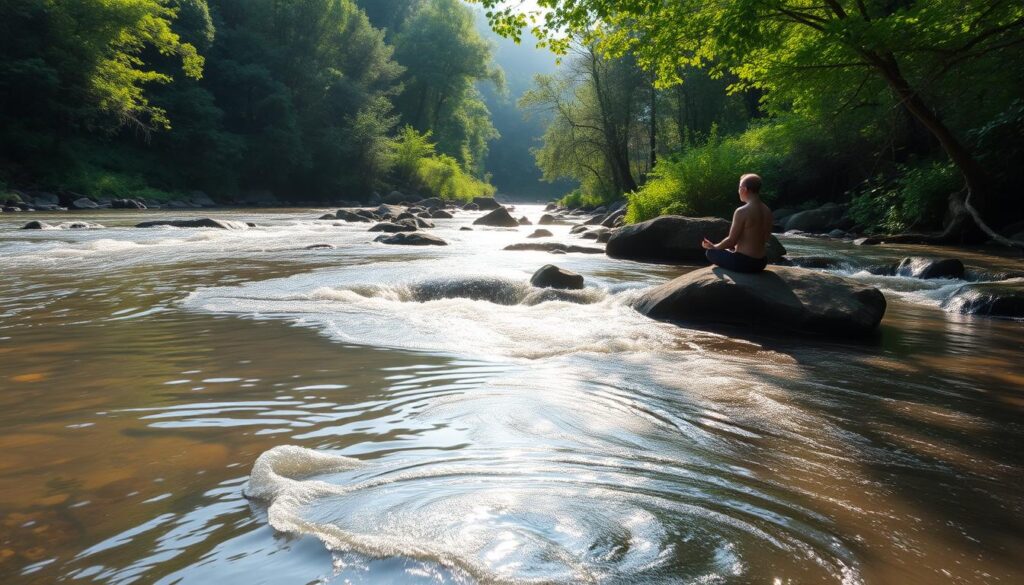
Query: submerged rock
(551, 276)
(822, 262)
(675, 238)
(411, 239)
(540, 233)
(319, 247)
(203, 222)
(991, 299)
(779, 299)
(498, 218)
(553, 247)
(917, 267)
(389, 227)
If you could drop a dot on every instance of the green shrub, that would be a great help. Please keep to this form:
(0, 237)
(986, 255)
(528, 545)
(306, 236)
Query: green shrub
(581, 198)
(790, 154)
(416, 165)
(914, 198)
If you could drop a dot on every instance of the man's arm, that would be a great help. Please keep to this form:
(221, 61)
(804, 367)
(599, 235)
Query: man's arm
(730, 241)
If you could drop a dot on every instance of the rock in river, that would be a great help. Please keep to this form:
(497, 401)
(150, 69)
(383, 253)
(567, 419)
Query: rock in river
(203, 222)
(674, 238)
(499, 217)
(780, 299)
(411, 239)
(993, 299)
(540, 233)
(405, 226)
(485, 203)
(917, 267)
(551, 276)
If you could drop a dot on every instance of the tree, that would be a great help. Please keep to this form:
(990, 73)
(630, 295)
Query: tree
(786, 47)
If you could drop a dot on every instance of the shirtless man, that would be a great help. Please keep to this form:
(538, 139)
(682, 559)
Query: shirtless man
(743, 250)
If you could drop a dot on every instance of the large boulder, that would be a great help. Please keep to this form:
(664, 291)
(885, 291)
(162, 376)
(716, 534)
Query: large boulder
(553, 247)
(992, 299)
(411, 239)
(674, 238)
(817, 220)
(917, 267)
(486, 203)
(203, 222)
(500, 217)
(551, 276)
(83, 203)
(778, 299)
(614, 217)
(546, 219)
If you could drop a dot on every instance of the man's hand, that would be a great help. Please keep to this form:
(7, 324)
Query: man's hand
(707, 244)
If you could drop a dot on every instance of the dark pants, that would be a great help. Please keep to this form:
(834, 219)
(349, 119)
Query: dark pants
(736, 261)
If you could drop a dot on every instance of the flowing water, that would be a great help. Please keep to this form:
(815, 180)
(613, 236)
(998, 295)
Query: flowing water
(389, 426)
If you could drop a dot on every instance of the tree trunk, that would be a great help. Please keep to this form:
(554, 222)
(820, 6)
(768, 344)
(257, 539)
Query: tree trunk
(966, 211)
(654, 126)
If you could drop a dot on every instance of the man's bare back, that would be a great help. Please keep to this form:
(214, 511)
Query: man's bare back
(745, 248)
(753, 222)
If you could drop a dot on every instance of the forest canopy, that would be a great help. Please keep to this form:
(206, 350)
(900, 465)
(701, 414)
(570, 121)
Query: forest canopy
(857, 96)
(243, 99)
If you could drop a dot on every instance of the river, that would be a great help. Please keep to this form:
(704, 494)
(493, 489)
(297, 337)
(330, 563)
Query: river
(144, 372)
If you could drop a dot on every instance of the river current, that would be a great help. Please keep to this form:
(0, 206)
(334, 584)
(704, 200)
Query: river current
(193, 406)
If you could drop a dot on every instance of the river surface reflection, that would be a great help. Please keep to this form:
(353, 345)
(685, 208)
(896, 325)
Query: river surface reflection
(443, 438)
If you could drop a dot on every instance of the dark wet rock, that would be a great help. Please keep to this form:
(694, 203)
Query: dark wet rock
(992, 299)
(78, 225)
(578, 229)
(546, 219)
(389, 211)
(203, 222)
(440, 214)
(552, 247)
(596, 220)
(471, 207)
(837, 234)
(431, 202)
(405, 215)
(411, 239)
(319, 247)
(540, 233)
(350, 216)
(500, 217)
(465, 228)
(780, 299)
(563, 252)
(551, 276)
(615, 218)
(524, 221)
(486, 203)
(817, 220)
(603, 237)
(367, 214)
(550, 207)
(420, 222)
(674, 238)
(390, 227)
(83, 203)
(328, 216)
(917, 267)
(596, 233)
(127, 204)
(37, 225)
(868, 241)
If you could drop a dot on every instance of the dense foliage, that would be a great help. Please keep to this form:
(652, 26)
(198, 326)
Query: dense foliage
(906, 84)
(299, 99)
